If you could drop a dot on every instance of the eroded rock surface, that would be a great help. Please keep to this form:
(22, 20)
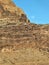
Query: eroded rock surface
(21, 42)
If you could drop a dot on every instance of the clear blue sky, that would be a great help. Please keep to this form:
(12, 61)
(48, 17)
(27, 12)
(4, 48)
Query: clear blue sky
(36, 10)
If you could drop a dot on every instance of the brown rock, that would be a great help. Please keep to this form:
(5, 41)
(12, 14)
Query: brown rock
(16, 29)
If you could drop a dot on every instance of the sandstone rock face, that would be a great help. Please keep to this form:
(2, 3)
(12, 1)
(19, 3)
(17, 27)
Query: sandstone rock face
(16, 29)
(9, 11)
(8, 8)
(11, 18)
(21, 42)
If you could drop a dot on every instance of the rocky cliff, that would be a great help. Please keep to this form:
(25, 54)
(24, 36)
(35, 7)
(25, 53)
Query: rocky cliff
(8, 8)
(17, 31)
(21, 42)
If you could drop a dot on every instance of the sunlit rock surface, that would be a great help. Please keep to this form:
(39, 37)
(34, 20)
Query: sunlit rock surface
(21, 42)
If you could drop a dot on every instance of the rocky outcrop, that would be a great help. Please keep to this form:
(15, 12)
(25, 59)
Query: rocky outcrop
(16, 29)
(11, 12)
